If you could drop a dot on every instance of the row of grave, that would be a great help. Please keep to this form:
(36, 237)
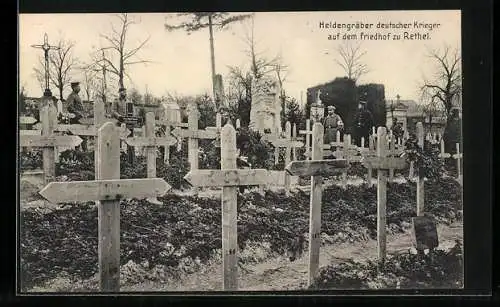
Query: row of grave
(48, 138)
(108, 189)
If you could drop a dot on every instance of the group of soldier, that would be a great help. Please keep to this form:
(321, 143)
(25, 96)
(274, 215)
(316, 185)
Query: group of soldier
(119, 109)
(363, 123)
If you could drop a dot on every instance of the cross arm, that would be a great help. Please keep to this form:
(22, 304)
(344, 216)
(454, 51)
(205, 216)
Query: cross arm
(316, 167)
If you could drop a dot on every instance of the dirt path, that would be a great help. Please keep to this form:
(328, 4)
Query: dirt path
(281, 274)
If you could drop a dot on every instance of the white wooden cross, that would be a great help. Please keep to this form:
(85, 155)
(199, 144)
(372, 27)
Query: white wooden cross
(420, 176)
(193, 135)
(285, 142)
(150, 141)
(168, 124)
(348, 152)
(442, 153)
(48, 140)
(368, 151)
(316, 168)
(108, 189)
(382, 163)
(458, 156)
(307, 133)
(228, 177)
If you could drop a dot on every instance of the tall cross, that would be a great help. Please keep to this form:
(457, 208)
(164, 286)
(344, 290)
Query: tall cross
(46, 47)
(107, 190)
(229, 177)
(316, 168)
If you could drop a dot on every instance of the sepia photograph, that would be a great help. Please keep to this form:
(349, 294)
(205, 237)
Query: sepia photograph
(240, 151)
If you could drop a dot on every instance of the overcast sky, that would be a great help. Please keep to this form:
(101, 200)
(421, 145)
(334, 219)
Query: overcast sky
(182, 62)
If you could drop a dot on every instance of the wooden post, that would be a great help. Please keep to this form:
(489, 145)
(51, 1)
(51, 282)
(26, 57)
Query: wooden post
(371, 148)
(276, 148)
(315, 204)
(392, 152)
(381, 196)
(193, 148)
(108, 167)
(294, 138)
(288, 152)
(420, 177)
(166, 152)
(99, 118)
(347, 139)
(458, 157)
(307, 138)
(229, 211)
(48, 116)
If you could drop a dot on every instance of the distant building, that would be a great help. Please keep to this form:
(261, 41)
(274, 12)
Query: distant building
(409, 113)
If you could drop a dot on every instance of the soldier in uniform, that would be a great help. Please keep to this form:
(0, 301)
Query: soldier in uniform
(363, 123)
(120, 108)
(397, 129)
(332, 123)
(75, 107)
(453, 132)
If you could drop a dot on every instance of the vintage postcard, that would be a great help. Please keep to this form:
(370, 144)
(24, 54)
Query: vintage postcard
(226, 151)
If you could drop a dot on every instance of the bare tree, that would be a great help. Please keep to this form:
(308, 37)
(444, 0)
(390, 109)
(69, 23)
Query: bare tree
(350, 59)
(118, 56)
(198, 21)
(62, 62)
(446, 84)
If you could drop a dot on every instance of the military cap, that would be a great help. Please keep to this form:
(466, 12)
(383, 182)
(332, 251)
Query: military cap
(75, 83)
(455, 108)
(362, 102)
(331, 107)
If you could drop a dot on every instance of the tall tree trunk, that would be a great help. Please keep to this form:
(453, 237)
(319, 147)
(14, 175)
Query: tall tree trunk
(61, 92)
(212, 53)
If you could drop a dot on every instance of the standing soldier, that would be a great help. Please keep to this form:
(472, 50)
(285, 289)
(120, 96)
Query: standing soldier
(332, 123)
(397, 129)
(75, 108)
(121, 108)
(363, 123)
(453, 132)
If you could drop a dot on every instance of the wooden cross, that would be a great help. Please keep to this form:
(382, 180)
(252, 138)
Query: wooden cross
(369, 152)
(442, 153)
(349, 153)
(420, 177)
(316, 168)
(150, 141)
(382, 163)
(193, 135)
(48, 141)
(458, 157)
(228, 177)
(285, 142)
(307, 137)
(107, 190)
(217, 128)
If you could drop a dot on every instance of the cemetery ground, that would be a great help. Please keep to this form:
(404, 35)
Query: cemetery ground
(176, 246)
